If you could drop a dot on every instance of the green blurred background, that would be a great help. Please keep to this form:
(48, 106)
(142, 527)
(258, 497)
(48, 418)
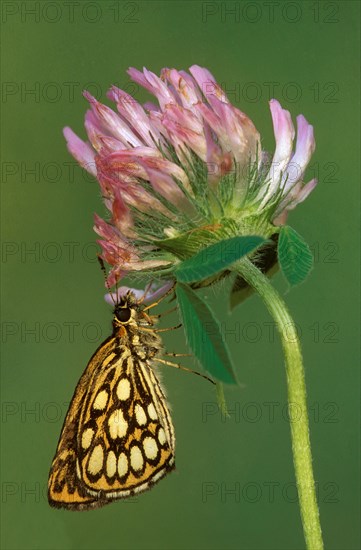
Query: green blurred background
(234, 483)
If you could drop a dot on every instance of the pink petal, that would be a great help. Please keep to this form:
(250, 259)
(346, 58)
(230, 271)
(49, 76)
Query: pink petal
(284, 134)
(122, 165)
(149, 106)
(153, 84)
(184, 86)
(124, 257)
(304, 192)
(98, 137)
(208, 84)
(104, 229)
(152, 294)
(297, 195)
(115, 234)
(236, 133)
(135, 115)
(164, 184)
(112, 122)
(281, 218)
(115, 275)
(215, 156)
(120, 255)
(110, 145)
(113, 180)
(80, 150)
(185, 127)
(130, 162)
(163, 165)
(139, 78)
(214, 122)
(160, 89)
(305, 146)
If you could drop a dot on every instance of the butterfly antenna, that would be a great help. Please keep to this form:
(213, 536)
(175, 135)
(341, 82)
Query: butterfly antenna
(146, 291)
(102, 267)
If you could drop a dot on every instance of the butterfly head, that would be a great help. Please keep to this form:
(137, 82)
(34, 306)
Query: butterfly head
(128, 311)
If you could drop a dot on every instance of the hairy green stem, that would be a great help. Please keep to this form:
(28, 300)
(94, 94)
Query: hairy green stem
(296, 386)
(221, 400)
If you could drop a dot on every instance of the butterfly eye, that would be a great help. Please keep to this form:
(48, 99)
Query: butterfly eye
(123, 314)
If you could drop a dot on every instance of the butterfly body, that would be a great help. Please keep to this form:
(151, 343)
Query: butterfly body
(118, 437)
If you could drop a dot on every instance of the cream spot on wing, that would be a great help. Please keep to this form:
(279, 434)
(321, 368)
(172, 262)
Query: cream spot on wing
(108, 359)
(118, 426)
(142, 487)
(123, 389)
(136, 458)
(161, 436)
(152, 412)
(122, 465)
(78, 471)
(158, 475)
(140, 415)
(96, 460)
(111, 464)
(86, 438)
(150, 447)
(101, 400)
(117, 494)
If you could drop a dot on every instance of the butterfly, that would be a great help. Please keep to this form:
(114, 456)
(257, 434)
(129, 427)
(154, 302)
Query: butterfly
(118, 437)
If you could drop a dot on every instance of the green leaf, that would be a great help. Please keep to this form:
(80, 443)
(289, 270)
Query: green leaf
(294, 256)
(187, 244)
(203, 335)
(216, 258)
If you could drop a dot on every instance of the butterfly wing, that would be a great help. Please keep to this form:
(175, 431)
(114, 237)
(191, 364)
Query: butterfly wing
(126, 436)
(117, 438)
(65, 487)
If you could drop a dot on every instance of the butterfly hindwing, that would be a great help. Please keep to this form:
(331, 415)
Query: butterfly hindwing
(65, 488)
(125, 439)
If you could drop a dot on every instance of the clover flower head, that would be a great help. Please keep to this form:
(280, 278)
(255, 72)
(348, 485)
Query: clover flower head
(187, 171)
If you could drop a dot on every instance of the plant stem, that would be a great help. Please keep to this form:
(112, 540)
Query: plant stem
(301, 447)
(221, 400)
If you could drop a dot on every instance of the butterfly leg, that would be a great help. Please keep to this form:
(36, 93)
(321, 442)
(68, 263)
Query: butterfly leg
(160, 299)
(166, 312)
(151, 319)
(160, 329)
(168, 329)
(177, 366)
(178, 354)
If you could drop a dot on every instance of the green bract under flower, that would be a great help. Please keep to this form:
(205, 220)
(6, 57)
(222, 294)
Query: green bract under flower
(187, 172)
